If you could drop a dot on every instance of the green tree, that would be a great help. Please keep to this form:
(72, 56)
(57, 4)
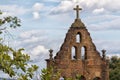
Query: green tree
(14, 62)
(48, 74)
(114, 68)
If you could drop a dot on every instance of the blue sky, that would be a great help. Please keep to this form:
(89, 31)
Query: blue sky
(45, 23)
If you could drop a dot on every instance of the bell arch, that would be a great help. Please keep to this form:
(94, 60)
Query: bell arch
(61, 78)
(97, 78)
(82, 78)
(78, 37)
(73, 52)
(83, 53)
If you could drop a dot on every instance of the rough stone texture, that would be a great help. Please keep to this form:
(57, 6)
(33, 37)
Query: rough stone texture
(90, 66)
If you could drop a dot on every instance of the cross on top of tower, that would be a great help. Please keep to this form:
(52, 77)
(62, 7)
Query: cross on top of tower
(77, 11)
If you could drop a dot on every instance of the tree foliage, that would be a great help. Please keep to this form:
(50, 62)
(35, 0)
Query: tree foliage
(114, 68)
(14, 62)
(48, 74)
(9, 21)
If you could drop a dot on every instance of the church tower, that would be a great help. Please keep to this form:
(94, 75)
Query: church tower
(78, 55)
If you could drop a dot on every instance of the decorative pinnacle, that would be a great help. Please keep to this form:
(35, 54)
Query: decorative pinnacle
(51, 55)
(103, 53)
(50, 50)
(77, 11)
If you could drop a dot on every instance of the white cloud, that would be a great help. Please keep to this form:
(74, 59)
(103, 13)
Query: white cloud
(112, 24)
(97, 11)
(110, 55)
(38, 6)
(89, 5)
(29, 34)
(51, 0)
(31, 39)
(36, 43)
(63, 7)
(112, 47)
(106, 4)
(112, 5)
(39, 50)
(13, 10)
(36, 15)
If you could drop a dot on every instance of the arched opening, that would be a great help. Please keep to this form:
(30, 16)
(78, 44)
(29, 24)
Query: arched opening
(78, 38)
(83, 53)
(97, 78)
(61, 78)
(73, 53)
(82, 78)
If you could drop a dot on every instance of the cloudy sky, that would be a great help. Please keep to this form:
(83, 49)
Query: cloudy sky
(45, 23)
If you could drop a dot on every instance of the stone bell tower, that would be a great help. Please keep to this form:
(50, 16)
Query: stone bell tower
(79, 56)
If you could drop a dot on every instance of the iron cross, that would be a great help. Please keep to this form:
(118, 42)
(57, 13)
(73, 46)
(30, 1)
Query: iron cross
(77, 11)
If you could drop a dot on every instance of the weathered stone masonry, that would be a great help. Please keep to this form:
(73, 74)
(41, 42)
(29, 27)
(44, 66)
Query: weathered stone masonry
(78, 55)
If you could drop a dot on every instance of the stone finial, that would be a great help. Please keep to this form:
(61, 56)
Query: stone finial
(51, 55)
(103, 53)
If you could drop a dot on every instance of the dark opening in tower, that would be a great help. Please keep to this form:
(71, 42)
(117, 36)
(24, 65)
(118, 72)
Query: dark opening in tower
(73, 52)
(83, 53)
(78, 37)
